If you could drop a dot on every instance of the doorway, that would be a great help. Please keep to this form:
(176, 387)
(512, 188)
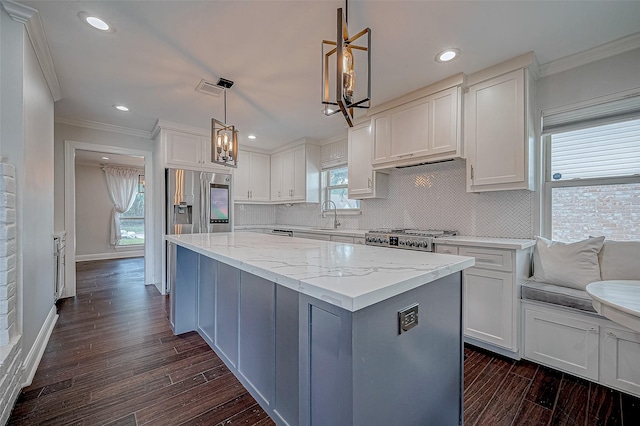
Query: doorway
(137, 234)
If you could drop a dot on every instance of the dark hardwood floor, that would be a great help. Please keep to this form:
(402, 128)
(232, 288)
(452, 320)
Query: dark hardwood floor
(112, 359)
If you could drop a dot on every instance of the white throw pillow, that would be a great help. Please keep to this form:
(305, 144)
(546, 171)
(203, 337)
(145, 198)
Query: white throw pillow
(620, 260)
(571, 265)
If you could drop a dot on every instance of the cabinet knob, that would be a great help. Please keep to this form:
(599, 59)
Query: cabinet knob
(611, 333)
(369, 183)
(248, 194)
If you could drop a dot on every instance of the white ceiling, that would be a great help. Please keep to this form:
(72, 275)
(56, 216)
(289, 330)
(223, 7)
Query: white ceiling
(161, 50)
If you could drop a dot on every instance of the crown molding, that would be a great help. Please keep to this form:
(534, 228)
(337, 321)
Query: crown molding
(170, 125)
(35, 30)
(603, 51)
(104, 127)
(18, 12)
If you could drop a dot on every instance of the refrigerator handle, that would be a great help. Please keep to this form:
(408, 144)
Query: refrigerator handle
(204, 203)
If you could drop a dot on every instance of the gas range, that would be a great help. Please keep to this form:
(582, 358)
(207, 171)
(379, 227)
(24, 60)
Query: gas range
(409, 239)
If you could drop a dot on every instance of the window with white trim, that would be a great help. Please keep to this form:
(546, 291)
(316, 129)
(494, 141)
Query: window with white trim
(132, 223)
(334, 185)
(592, 173)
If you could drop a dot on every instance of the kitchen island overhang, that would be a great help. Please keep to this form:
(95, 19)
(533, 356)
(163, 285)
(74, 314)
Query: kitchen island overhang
(312, 328)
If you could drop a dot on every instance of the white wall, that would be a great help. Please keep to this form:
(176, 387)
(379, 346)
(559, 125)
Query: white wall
(87, 135)
(26, 132)
(601, 78)
(37, 198)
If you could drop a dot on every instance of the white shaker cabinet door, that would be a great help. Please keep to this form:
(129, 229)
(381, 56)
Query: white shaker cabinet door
(276, 176)
(299, 173)
(260, 177)
(410, 127)
(241, 177)
(488, 306)
(183, 149)
(496, 133)
(360, 155)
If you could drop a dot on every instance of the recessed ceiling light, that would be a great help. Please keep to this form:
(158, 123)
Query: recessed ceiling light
(447, 55)
(121, 108)
(96, 22)
(251, 136)
(105, 158)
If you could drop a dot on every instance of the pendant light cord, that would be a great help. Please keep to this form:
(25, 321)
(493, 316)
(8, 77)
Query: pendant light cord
(346, 11)
(225, 107)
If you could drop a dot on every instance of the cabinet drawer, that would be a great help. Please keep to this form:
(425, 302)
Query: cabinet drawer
(341, 239)
(312, 236)
(497, 260)
(445, 249)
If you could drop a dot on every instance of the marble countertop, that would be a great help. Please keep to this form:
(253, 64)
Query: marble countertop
(488, 242)
(350, 276)
(617, 300)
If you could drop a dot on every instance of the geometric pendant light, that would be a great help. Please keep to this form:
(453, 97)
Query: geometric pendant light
(224, 137)
(340, 60)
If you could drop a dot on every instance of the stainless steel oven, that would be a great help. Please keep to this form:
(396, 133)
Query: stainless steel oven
(408, 239)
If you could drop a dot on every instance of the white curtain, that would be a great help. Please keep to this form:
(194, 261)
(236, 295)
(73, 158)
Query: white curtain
(122, 184)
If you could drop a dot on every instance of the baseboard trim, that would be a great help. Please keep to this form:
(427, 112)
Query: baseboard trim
(32, 360)
(105, 256)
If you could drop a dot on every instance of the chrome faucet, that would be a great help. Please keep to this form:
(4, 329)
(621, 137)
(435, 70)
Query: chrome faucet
(335, 213)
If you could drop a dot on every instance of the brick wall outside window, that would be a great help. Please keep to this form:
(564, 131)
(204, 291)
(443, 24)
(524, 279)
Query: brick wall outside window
(609, 210)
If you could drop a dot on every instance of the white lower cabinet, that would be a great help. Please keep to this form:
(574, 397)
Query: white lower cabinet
(490, 300)
(621, 360)
(312, 236)
(488, 309)
(341, 239)
(562, 341)
(582, 344)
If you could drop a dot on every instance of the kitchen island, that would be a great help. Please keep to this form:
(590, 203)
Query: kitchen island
(324, 333)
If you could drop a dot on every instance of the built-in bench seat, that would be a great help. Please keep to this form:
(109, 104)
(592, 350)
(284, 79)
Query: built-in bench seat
(562, 329)
(557, 295)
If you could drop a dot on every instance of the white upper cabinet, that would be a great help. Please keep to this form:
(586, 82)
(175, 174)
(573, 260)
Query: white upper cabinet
(252, 177)
(295, 175)
(188, 149)
(183, 149)
(276, 176)
(363, 181)
(498, 131)
(422, 130)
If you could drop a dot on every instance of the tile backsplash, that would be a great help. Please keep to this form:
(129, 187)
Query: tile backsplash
(431, 196)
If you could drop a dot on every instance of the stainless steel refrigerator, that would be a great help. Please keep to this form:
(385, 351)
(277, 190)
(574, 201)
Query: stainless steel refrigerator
(198, 202)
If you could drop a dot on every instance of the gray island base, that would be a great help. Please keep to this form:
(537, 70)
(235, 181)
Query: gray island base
(310, 362)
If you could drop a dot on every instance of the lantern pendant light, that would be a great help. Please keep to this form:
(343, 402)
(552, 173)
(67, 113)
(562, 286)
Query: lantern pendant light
(345, 76)
(224, 137)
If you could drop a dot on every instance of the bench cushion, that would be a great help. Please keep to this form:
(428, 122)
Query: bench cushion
(557, 295)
